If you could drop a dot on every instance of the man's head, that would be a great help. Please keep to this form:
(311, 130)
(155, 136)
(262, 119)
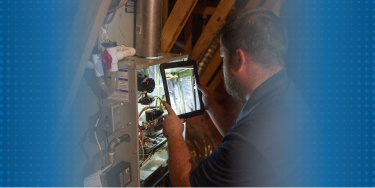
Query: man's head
(253, 45)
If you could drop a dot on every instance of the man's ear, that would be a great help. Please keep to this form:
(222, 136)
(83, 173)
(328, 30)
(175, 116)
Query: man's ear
(239, 60)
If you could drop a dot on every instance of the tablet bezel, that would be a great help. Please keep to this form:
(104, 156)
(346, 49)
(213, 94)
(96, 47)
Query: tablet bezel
(165, 66)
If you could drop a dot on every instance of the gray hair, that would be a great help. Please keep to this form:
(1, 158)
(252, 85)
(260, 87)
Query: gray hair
(258, 32)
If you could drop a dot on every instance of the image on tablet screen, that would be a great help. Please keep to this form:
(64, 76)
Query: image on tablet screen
(183, 90)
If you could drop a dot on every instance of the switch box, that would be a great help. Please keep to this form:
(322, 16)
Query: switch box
(120, 175)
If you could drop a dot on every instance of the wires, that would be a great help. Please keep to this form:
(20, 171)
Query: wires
(117, 7)
(96, 136)
(144, 109)
(97, 140)
(142, 94)
(148, 142)
(149, 155)
(142, 148)
(160, 100)
(141, 134)
(108, 19)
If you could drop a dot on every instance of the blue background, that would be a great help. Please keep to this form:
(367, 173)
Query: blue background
(330, 58)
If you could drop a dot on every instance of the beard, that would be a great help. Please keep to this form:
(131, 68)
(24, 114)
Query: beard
(233, 87)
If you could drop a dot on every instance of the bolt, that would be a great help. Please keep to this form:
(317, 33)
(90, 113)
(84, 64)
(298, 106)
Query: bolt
(134, 152)
(132, 91)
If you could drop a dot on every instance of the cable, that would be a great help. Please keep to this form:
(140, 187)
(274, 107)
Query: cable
(149, 155)
(157, 97)
(96, 136)
(142, 148)
(146, 160)
(108, 19)
(142, 135)
(141, 94)
(118, 6)
(144, 109)
(97, 140)
(141, 139)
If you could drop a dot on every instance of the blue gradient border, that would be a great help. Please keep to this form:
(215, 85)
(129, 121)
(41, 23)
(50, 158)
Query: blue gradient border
(331, 59)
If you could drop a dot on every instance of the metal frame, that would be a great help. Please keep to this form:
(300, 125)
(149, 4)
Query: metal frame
(128, 151)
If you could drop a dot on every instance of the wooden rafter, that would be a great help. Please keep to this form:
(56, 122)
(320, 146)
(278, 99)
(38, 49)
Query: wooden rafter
(213, 25)
(211, 68)
(188, 35)
(175, 23)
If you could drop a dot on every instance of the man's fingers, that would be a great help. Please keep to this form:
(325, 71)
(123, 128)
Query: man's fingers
(169, 108)
(182, 120)
(203, 89)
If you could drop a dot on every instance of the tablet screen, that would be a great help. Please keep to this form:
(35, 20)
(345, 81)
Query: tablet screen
(180, 82)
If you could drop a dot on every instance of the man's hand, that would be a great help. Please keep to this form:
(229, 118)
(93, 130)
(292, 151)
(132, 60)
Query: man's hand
(172, 125)
(217, 113)
(179, 157)
(208, 98)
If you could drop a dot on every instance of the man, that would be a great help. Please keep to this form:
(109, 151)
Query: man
(260, 148)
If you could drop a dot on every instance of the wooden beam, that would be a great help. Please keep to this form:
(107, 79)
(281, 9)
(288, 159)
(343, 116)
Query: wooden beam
(165, 12)
(211, 68)
(175, 23)
(87, 22)
(188, 36)
(208, 11)
(213, 25)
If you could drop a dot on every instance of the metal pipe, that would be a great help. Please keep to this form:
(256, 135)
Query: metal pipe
(111, 150)
(117, 141)
(148, 28)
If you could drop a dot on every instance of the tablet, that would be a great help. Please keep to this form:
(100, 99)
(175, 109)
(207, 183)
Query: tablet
(180, 80)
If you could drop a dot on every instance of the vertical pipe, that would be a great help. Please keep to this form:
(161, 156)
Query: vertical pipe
(148, 28)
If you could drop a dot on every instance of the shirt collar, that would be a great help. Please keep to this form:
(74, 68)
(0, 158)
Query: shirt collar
(263, 90)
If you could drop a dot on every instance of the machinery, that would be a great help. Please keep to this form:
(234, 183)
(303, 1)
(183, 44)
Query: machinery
(128, 131)
(131, 115)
